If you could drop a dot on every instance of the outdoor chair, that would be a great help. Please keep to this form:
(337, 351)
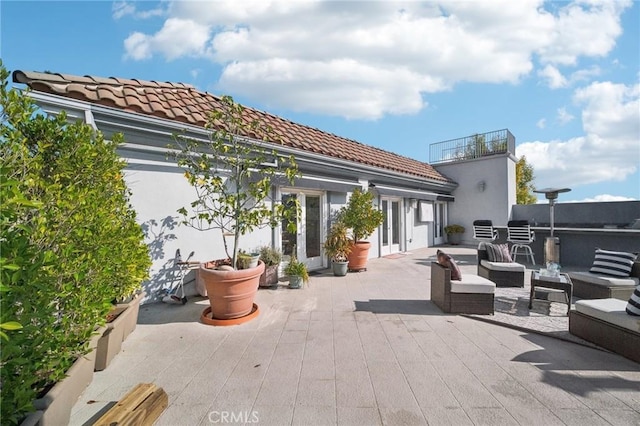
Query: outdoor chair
(471, 295)
(484, 231)
(520, 235)
(503, 274)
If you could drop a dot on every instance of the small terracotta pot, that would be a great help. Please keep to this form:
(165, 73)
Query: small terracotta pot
(359, 255)
(231, 293)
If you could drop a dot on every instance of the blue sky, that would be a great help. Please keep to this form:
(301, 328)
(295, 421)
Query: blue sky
(563, 77)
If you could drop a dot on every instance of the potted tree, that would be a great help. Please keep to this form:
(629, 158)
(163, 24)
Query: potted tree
(454, 233)
(271, 258)
(297, 272)
(338, 246)
(232, 175)
(363, 218)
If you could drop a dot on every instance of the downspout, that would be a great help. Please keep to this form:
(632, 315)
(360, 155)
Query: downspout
(380, 231)
(404, 222)
(88, 118)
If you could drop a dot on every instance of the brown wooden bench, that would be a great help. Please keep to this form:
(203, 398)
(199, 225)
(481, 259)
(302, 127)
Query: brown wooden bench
(141, 406)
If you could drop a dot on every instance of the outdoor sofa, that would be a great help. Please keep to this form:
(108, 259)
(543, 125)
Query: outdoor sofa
(588, 285)
(605, 323)
(471, 295)
(503, 274)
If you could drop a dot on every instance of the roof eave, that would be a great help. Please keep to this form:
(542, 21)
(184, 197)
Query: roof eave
(52, 103)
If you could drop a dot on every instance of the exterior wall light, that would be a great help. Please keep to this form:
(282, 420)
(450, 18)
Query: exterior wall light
(482, 185)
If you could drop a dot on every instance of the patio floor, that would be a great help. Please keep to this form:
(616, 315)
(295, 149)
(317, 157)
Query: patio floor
(365, 349)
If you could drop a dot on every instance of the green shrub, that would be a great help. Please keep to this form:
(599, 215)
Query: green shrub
(69, 246)
(454, 229)
(270, 256)
(360, 215)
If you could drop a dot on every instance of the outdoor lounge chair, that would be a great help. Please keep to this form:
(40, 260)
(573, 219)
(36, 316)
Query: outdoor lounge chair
(605, 323)
(587, 285)
(502, 274)
(471, 295)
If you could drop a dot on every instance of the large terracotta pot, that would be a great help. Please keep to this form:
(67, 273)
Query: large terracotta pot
(231, 293)
(359, 255)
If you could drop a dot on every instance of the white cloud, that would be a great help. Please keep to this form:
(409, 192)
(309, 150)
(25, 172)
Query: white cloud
(602, 198)
(178, 37)
(121, 9)
(607, 152)
(583, 28)
(542, 123)
(312, 52)
(553, 77)
(563, 116)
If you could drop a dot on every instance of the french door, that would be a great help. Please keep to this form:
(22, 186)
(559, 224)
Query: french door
(391, 210)
(308, 237)
(440, 214)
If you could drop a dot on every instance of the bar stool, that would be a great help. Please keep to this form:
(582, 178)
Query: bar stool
(484, 231)
(520, 235)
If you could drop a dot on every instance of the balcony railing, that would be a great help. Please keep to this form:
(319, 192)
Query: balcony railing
(474, 146)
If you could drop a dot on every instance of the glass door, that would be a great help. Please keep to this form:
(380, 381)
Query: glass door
(309, 233)
(440, 213)
(391, 225)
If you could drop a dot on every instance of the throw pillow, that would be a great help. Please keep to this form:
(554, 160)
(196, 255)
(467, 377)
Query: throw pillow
(614, 263)
(633, 306)
(447, 261)
(498, 253)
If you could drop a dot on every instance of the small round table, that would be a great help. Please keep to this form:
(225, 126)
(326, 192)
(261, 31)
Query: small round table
(562, 282)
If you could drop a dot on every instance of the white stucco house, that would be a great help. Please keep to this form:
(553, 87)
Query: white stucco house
(418, 199)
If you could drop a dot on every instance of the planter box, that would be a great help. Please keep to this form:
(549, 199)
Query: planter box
(269, 277)
(57, 403)
(110, 343)
(130, 315)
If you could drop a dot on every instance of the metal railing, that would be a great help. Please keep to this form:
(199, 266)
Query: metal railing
(474, 146)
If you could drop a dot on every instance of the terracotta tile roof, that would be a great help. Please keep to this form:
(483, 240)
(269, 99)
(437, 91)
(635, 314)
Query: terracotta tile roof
(184, 103)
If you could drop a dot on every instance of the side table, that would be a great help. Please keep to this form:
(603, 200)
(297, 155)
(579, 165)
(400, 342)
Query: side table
(562, 282)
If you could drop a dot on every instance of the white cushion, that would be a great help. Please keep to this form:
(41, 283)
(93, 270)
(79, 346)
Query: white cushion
(503, 266)
(473, 284)
(609, 310)
(604, 280)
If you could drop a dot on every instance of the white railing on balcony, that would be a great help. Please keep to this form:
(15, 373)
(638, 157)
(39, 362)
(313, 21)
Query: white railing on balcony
(474, 146)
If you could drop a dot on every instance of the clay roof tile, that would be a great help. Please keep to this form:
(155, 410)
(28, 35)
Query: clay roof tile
(182, 102)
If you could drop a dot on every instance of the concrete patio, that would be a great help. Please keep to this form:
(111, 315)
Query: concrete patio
(365, 349)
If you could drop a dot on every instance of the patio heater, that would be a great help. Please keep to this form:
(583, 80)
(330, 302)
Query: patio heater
(551, 243)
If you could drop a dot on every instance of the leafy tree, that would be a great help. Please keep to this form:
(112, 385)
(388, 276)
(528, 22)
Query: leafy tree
(69, 245)
(233, 177)
(360, 215)
(524, 182)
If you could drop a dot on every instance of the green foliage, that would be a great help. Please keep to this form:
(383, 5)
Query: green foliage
(270, 256)
(476, 146)
(524, 182)
(337, 244)
(233, 176)
(69, 245)
(297, 268)
(360, 215)
(454, 229)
